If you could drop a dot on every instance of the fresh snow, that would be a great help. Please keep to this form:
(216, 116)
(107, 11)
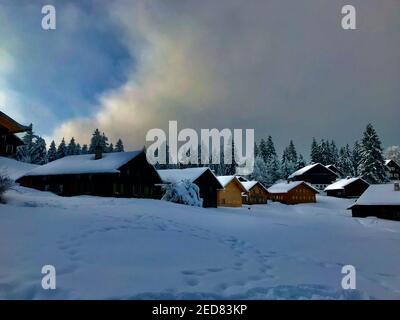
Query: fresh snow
(380, 194)
(109, 163)
(249, 184)
(341, 184)
(109, 248)
(305, 169)
(15, 169)
(225, 180)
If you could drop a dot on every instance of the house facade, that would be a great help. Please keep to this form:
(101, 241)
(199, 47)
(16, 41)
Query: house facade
(347, 188)
(119, 174)
(293, 192)
(256, 193)
(315, 174)
(231, 193)
(203, 177)
(379, 200)
(9, 142)
(393, 170)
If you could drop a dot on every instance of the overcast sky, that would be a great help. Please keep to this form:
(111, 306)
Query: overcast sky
(285, 68)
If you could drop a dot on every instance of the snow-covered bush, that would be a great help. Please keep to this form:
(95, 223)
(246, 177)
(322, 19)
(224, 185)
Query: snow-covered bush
(5, 184)
(184, 192)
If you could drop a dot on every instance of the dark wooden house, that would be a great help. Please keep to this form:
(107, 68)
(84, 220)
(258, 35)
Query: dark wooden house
(347, 188)
(315, 174)
(118, 174)
(293, 192)
(8, 140)
(203, 177)
(335, 169)
(393, 170)
(379, 200)
(255, 193)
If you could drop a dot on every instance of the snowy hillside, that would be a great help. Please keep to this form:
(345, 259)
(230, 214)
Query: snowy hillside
(15, 169)
(133, 248)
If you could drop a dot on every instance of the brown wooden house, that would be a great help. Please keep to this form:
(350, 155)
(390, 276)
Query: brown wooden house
(203, 177)
(118, 174)
(8, 140)
(393, 170)
(256, 193)
(231, 194)
(347, 188)
(293, 192)
(315, 174)
(380, 200)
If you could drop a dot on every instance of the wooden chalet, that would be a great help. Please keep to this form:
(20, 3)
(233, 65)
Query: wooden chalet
(335, 169)
(393, 170)
(293, 192)
(256, 193)
(8, 140)
(118, 174)
(380, 200)
(203, 177)
(315, 174)
(347, 188)
(231, 193)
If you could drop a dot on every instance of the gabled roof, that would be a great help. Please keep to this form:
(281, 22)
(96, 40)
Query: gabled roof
(285, 187)
(334, 168)
(11, 125)
(225, 180)
(85, 164)
(342, 183)
(391, 161)
(177, 175)
(379, 195)
(308, 168)
(251, 184)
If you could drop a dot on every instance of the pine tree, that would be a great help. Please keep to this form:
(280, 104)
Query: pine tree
(71, 148)
(96, 140)
(356, 158)
(24, 152)
(52, 152)
(78, 149)
(345, 163)
(110, 148)
(61, 150)
(372, 164)
(119, 147)
(260, 171)
(84, 149)
(39, 152)
(289, 160)
(263, 150)
(315, 154)
(333, 153)
(393, 153)
(301, 163)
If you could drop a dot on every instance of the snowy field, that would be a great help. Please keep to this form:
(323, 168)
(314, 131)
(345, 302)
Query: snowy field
(107, 248)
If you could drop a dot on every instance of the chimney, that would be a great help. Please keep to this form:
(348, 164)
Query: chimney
(397, 186)
(98, 153)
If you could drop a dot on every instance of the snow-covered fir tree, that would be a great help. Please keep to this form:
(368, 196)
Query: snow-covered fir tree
(372, 165)
(85, 149)
(39, 152)
(110, 148)
(119, 147)
(356, 158)
(260, 171)
(24, 152)
(71, 148)
(301, 163)
(62, 149)
(315, 154)
(78, 149)
(52, 152)
(345, 163)
(289, 160)
(98, 139)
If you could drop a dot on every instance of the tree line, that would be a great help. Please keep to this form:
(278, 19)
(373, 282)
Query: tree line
(35, 151)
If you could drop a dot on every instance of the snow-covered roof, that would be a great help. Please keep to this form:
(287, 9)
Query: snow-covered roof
(284, 187)
(248, 185)
(15, 169)
(391, 160)
(307, 168)
(379, 194)
(224, 180)
(340, 184)
(176, 175)
(85, 164)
